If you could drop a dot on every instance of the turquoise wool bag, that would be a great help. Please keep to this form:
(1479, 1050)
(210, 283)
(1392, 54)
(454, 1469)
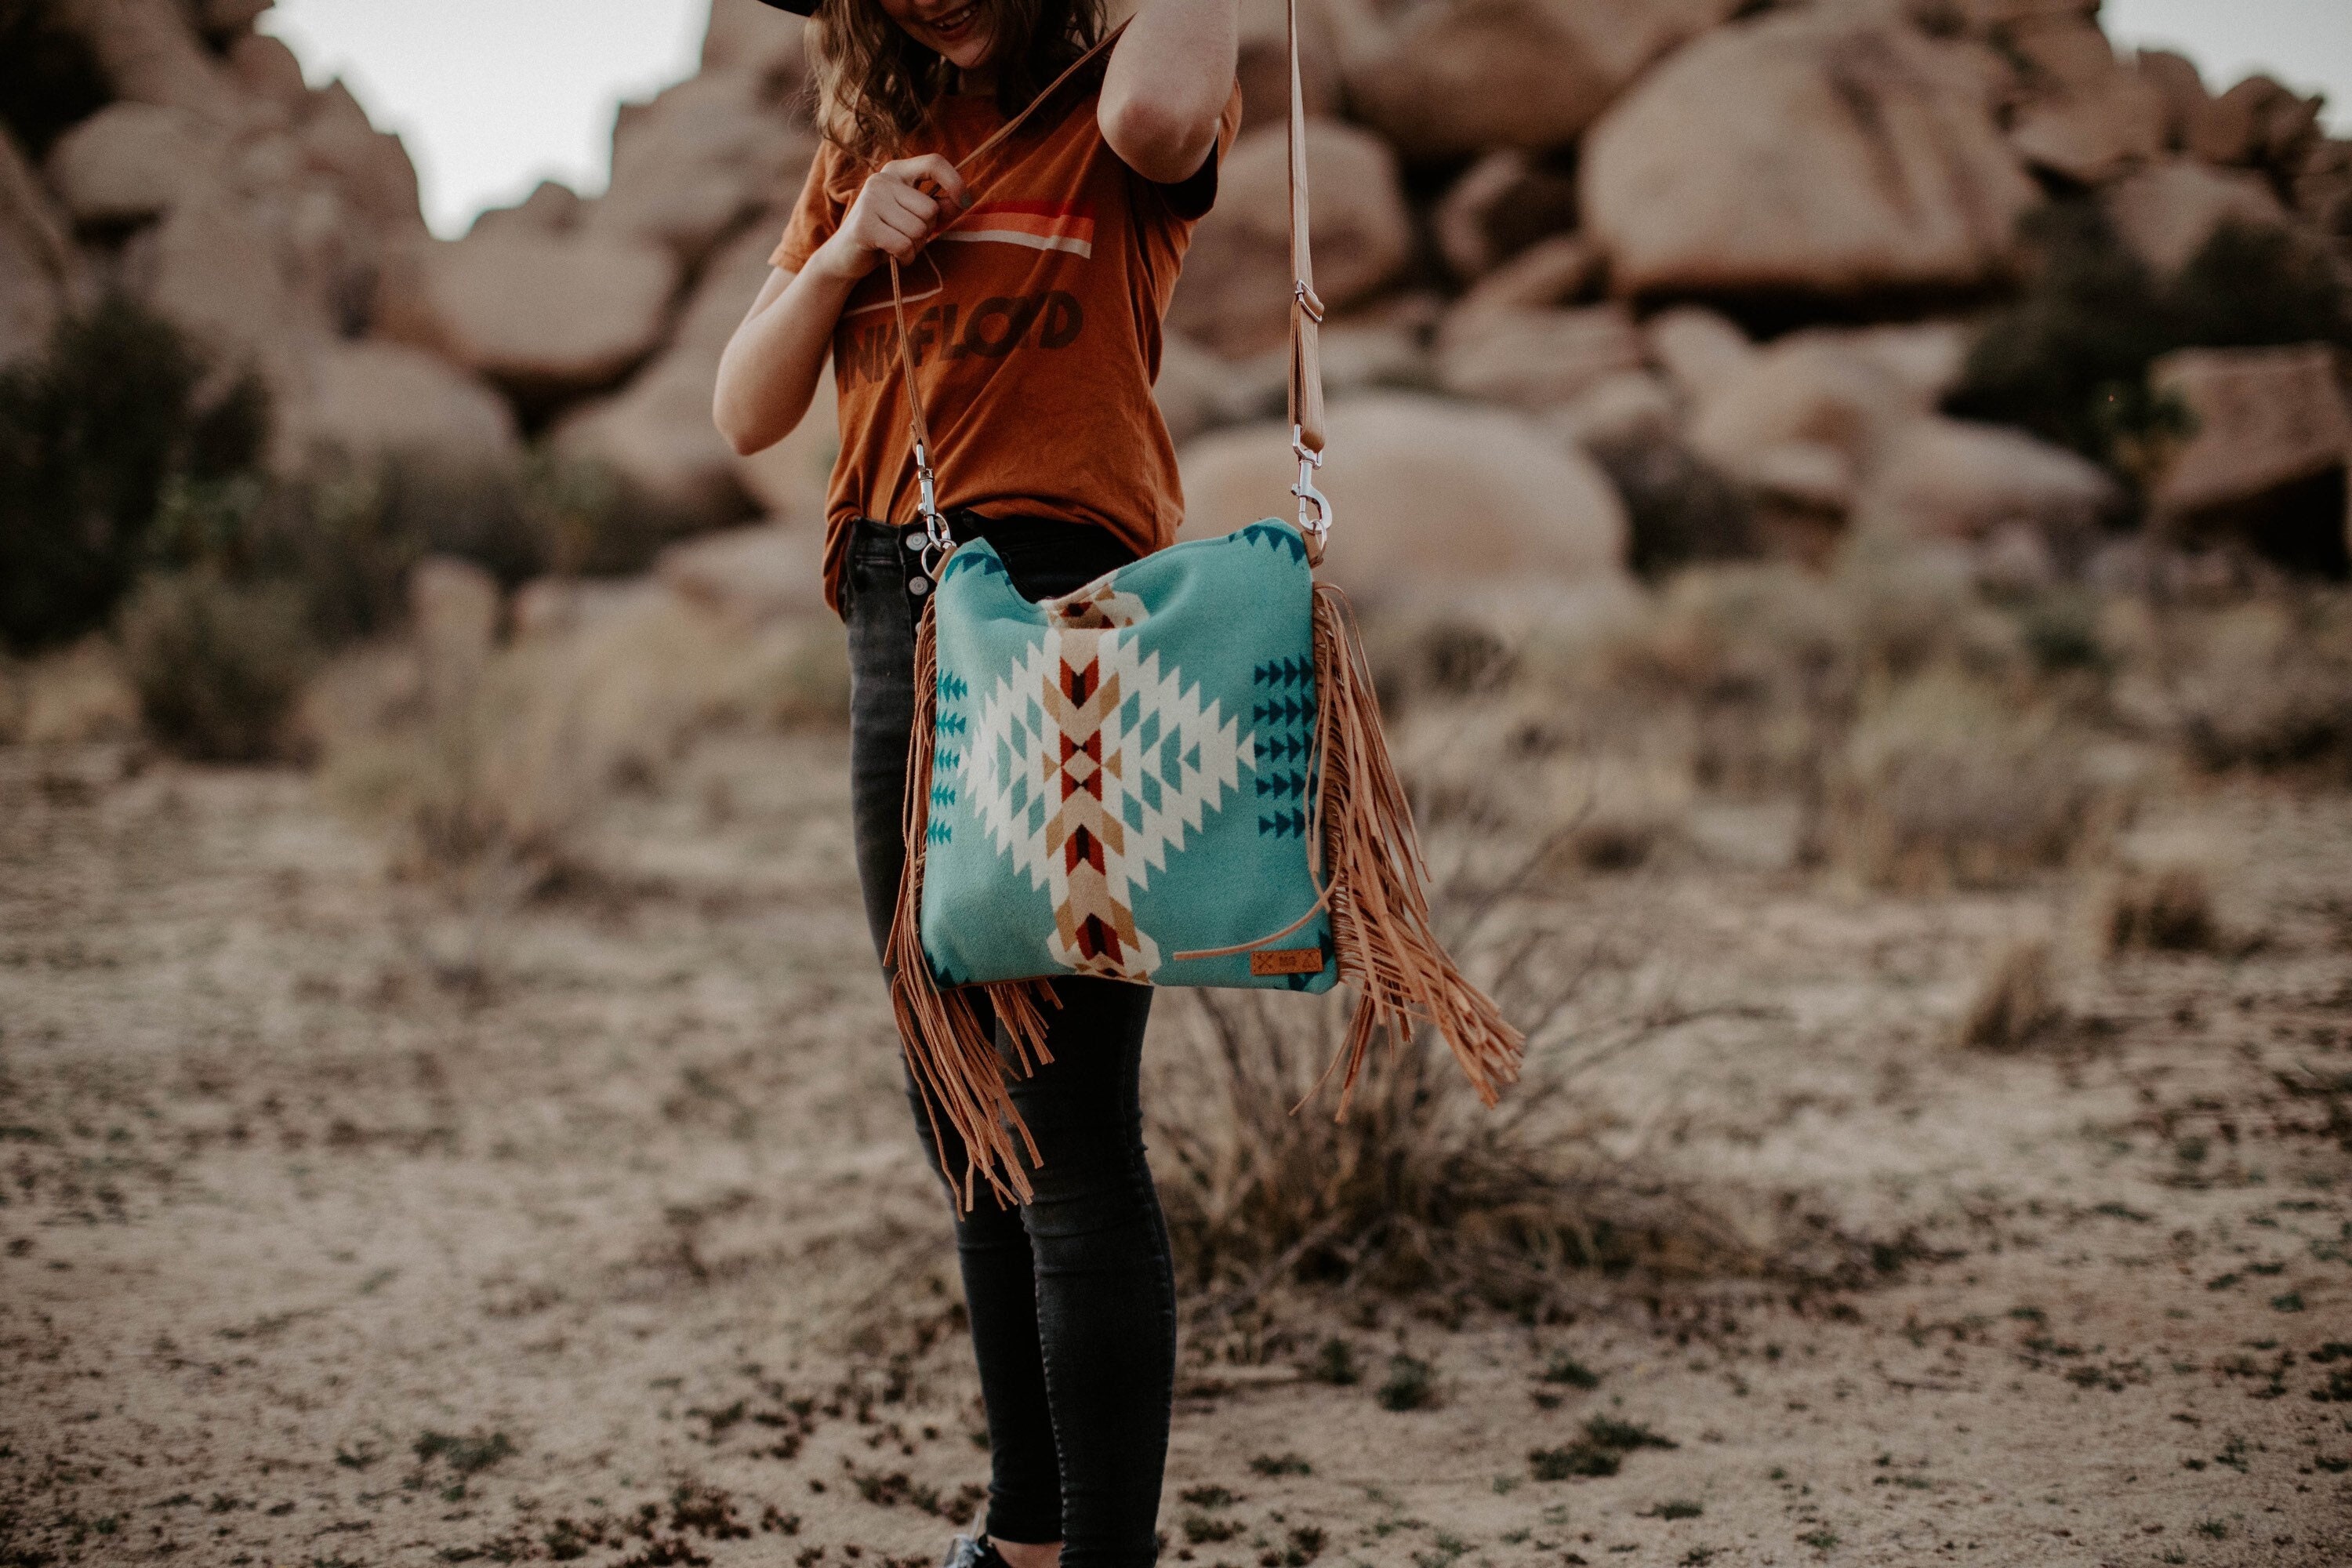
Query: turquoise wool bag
(1174, 775)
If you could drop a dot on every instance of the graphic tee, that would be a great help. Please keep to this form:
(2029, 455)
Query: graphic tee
(1035, 325)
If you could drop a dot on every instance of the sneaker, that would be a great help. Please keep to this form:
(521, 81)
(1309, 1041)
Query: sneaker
(973, 1551)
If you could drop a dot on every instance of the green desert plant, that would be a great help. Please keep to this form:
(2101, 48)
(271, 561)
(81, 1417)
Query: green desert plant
(216, 663)
(2068, 359)
(94, 432)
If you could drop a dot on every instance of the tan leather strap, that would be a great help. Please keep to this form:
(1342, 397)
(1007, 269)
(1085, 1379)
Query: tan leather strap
(1306, 314)
(1306, 307)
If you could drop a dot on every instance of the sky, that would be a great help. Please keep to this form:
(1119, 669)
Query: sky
(493, 96)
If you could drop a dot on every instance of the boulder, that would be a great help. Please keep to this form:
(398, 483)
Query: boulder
(1935, 478)
(1814, 389)
(1234, 294)
(2258, 122)
(2094, 135)
(544, 316)
(1534, 357)
(2322, 189)
(1444, 77)
(214, 269)
(372, 399)
(266, 67)
(763, 573)
(656, 434)
(1190, 388)
(745, 37)
(2266, 419)
(1633, 407)
(1432, 497)
(2060, 57)
(1699, 349)
(130, 161)
(36, 259)
(1813, 152)
(552, 208)
(2179, 87)
(225, 18)
(371, 167)
(1507, 202)
(149, 52)
(2168, 212)
(694, 162)
(1561, 271)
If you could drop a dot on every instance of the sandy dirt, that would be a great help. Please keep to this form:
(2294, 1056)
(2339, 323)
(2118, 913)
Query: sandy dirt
(338, 1229)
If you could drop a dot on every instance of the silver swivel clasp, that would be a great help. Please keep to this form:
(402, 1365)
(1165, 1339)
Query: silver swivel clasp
(1317, 527)
(939, 544)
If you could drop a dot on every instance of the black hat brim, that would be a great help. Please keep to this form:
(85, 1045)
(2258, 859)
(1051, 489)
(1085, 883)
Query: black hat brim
(797, 7)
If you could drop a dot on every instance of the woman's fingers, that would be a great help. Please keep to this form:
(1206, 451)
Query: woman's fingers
(912, 203)
(935, 171)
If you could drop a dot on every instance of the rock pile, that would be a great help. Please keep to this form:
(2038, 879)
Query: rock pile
(1568, 244)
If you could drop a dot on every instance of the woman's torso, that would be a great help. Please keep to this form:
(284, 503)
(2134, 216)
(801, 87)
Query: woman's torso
(1036, 323)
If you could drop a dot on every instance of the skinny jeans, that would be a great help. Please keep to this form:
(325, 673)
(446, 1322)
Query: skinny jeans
(1072, 1295)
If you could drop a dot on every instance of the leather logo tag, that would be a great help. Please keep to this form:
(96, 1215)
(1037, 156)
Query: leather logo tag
(1287, 961)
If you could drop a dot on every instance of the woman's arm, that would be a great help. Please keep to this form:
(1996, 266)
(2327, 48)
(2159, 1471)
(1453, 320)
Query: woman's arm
(770, 369)
(1167, 83)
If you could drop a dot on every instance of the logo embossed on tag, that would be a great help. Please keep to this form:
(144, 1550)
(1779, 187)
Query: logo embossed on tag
(1288, 961)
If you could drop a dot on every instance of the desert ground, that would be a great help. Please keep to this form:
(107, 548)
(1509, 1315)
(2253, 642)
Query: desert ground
(345, 1222)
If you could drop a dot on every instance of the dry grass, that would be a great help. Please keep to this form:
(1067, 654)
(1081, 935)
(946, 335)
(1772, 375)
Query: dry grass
(72, 696)
(2264, 685)
(1414, 1188)
(491, 772)
(2016, 1003)
(2167, 909)
(1945, 781)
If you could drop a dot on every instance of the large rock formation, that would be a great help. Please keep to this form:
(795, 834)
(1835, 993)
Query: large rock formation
(2166, 214)
(1235, 291)
(657, 433)
(543, 316)
(691, 165)
(1809, 153)
(1432, 497)
(1487, 173)
(2264, 419)
(1442, 77)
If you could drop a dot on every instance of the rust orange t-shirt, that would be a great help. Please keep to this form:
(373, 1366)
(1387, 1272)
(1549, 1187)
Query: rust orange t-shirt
(1036, 323)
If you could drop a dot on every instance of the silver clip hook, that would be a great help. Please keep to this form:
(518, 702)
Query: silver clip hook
(936, 535)
(1309, 461)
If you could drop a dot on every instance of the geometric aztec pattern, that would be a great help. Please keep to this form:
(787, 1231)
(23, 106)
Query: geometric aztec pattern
(1089, 761)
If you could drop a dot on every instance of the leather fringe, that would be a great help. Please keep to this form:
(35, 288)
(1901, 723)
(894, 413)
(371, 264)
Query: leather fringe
(1380, 924)
(952, 1054)
(1365, 854)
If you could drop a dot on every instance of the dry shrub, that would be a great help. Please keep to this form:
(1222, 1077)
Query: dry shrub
(2016, 1002)
(1947, 782)
(2165, 910)
(1416, 1187)
(491, 772)
(68, 696)
(2267, 685)
(216, 663)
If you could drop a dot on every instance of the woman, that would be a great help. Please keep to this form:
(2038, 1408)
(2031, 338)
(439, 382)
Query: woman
(1037, 280)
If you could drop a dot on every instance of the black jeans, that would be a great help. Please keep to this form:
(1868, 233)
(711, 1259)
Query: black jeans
(1072, 1296)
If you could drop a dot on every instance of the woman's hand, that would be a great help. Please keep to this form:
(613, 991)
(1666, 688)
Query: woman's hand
(898, 210)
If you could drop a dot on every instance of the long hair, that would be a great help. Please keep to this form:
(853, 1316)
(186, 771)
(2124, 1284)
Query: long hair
(876, 86)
